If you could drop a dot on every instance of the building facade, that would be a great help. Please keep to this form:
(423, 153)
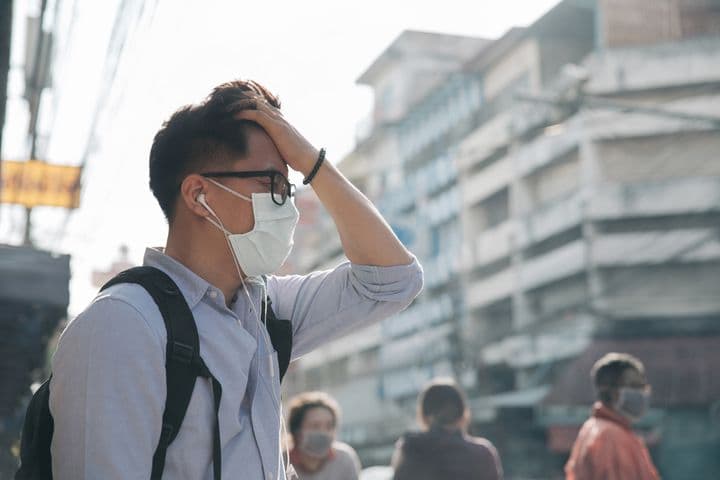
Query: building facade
(560, 187)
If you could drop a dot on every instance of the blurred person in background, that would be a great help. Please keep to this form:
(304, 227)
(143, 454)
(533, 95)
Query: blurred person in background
(606, 447)
(313, 421)
(444, 450)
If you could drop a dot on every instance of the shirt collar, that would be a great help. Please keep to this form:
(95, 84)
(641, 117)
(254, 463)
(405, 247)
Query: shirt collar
(602, 411)
(296, 459)
(190, 284)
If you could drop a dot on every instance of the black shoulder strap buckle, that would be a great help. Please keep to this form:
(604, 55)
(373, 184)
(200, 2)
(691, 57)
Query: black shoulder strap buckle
(182, 353)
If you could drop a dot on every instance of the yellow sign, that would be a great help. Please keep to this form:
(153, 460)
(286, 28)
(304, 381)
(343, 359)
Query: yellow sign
(35, 183)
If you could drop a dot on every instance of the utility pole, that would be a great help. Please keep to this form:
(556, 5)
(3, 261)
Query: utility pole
(6, 16)
(34, 94)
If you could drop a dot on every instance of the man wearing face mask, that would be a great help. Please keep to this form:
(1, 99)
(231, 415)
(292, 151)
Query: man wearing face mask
(606, 447)
(313, 422)
(219, 171)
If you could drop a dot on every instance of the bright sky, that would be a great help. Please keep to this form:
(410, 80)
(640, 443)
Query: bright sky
(309, 52)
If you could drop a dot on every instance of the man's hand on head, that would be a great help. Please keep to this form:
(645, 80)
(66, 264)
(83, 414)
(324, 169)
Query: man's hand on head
(297, 151)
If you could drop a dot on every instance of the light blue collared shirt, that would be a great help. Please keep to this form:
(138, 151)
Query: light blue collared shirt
(108, 389)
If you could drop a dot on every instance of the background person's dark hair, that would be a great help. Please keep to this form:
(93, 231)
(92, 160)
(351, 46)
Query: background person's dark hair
(442, 403)
(608, 370)
(302, 403)
(200, 136)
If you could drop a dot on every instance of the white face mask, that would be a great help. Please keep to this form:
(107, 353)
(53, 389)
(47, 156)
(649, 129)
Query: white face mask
(265, 248)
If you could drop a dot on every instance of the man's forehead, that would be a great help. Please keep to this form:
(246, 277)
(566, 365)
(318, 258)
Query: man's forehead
(262, 153)
(319, 413)
(260, 163)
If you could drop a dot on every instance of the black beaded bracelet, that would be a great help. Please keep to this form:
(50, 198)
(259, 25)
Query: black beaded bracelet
(315, 169)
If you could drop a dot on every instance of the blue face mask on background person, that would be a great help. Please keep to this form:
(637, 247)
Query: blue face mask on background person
(316, 443)
(633, 403)
(265, 248)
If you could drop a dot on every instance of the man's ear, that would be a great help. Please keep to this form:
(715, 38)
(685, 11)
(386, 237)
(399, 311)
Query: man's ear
(193, 194)
(607, 395)
(614, 396)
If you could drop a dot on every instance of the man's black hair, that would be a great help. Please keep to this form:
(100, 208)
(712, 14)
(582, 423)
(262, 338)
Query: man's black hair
(442, 403)
(199, 136)
(607, 372)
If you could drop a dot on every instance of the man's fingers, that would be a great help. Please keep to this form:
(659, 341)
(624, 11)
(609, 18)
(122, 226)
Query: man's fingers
(258, 116)
(262, 104)
(245, 103)
(255, 103)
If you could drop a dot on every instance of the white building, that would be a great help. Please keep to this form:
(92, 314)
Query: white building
(561, 187)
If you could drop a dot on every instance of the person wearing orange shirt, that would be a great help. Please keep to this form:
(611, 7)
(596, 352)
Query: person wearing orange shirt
(606, 447)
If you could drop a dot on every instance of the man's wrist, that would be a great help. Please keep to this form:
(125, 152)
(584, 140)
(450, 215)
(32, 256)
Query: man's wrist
(316, 166)
(308, 161)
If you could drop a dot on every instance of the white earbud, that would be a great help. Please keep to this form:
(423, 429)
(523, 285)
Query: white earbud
(201, 200)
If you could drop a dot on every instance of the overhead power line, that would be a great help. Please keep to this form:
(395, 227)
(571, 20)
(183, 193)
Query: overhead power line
(593, 101)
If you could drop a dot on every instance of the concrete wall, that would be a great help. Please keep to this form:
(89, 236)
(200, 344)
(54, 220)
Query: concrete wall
(643, 22)
(523, 60)
(554, 181)
(662, 290)
(684, 154)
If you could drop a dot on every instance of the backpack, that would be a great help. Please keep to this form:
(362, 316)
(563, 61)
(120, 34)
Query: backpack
(183, 366)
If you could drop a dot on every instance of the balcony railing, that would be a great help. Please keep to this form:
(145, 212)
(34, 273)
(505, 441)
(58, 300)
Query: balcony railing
(657, 247)
(490, 289)
(441, 269)
(493, 244)
(409, 381)
(649, 67)
(666, 197)
(526, 350)
(419, 317)
(560, 263)
(424, 347)
(479, 186)
(550, 219)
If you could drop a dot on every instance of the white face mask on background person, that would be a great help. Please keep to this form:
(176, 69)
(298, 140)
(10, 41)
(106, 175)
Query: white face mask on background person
(633, 403)
(316, 443)
(264, 249)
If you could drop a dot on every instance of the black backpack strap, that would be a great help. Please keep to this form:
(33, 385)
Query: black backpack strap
(281, 334)
(183, 362)
(37, 432)
(281, 337)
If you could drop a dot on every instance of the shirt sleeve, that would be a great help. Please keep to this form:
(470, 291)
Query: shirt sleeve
(496, 464)
(353, 462)
(325, 305)
(397, 459)
(107, 394)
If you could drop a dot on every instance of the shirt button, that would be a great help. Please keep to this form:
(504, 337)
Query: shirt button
(269, 476)
(213, 294)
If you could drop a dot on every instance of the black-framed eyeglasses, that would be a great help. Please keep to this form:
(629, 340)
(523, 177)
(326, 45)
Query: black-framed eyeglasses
(280, 188)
